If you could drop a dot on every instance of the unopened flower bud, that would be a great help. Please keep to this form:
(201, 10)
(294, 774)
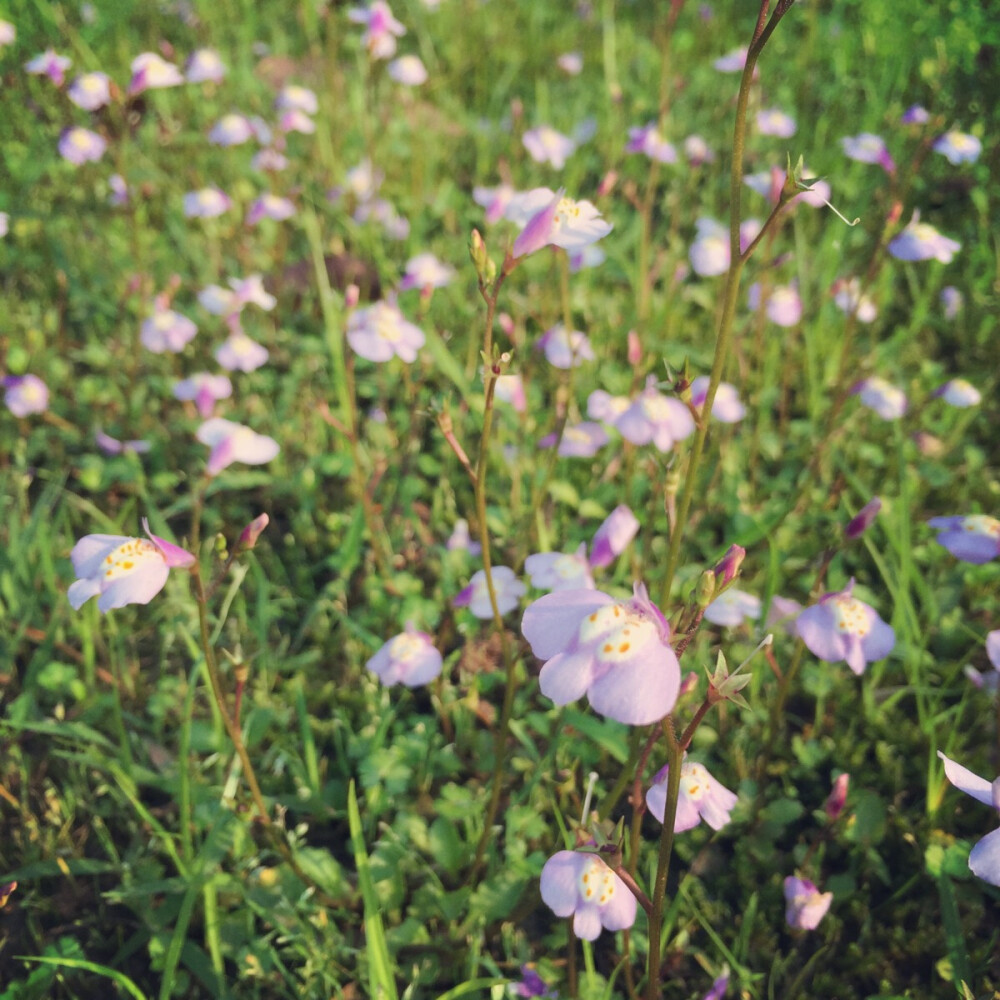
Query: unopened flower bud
(706, 589)
(480, 256)
(506, 323)
(689, 683)
(352, 295)
(863, 519)
(250, 534)
(728, 567)
(608, 182)
(672, 483)
(894, 213)
(834, 804)
(634, 348)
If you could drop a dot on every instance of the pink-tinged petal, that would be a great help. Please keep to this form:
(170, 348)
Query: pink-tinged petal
(173, 555)
(618, 913)
(656, 799)
(993, 647)
(538, 232)
(984, 858)
(639, 690)
(215, 430)
(587, 922)
(464, 597)
(222, 456)
(551, 623)
(90, 551)
(81, 591)
(964, 780)
(558, 883)
(567, 676)
(138, 587)
(815, 628)
(716, 807)
(853, 654)
(687, 816)
(255, 449)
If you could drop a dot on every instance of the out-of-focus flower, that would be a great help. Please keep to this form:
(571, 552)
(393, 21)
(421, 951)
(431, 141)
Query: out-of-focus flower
(494, 200)
(231, 442)
(602, 405)
(90, 91)
(719, 987)
(380, 332)
(565, 349)
(253, 531)
(460, 539)
(583, 887)
(771, 121)
(208, 203)
(993, 648)
(241, 353)
(731, 607)
(408, 70)
(915, 115)
(647, 139)
(50, 64)
(425, 272)
(848, 298)
(166, 330)
(152, 72)
(409, 658)
(733, 61)
(204, 66)
(864, 518)
(697, 151)
(231, 130)
(571, 63)
(878, 395)
(613, 536)
(840, 627)
(582, 440)
(510, 389)
(709, 253)
(560, 570)
(952, 301)
(545, 145)
(784, 611)
(868, 148)
(4, 224)
(293, 97)
(782, 305)
(204, 390)
(296, 121)
(8, 34)
(616, 652)
(25, 394)
(728, 567)
(726, 407)
(476, 595)
(973, 538)
(984, 858)
(587, 257)
(958, 147)
(532, 985)
(837, 798)
(270, 206)
(563, 222)
(921, 241)
(381, 28)
(119, 190)
(80, 145)
(655, 418)
(269, 159)
(123, 570)
(958, 392)
(112, 446)
(701, 798)
(805, 904)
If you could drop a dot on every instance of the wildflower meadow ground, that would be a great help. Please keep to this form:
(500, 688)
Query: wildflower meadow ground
(499, 499)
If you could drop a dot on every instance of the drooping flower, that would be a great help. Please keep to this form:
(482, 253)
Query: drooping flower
(152, 72)
(731, 607)
(50, 64)
(805, 904)
(921, 241)
(701, 797)
(958, 392)
(80, 145)
(868, 148)
(848, 298)
(381, 28)
(546, 145)
(565, 349)
(958, 147)
(123, 570)
(476, 595)
(864, 518)
(984, 858)
(584, 887)
(204, 66)
(408, 70)
(837, 798)
(204, 390)
(560, 570)
(426, 272)
(653, 417)
(647, 139)
(231, 442)
(562, 222)
(771, 121)
(206, 204)
(726, 407)
(617, 652)
(841, 627)
(973, 538)
(166, 330)
(613, 536)
(25, 394)
(380, 332)
(231, 130)
(90, 91)
(878, 395)
(270, 206)
(410, 659)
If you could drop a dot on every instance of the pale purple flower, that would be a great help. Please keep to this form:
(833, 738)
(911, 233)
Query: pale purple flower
(8, 34)
(510, 389)
(249, 291)
(984, 858)
(848, 298)
(362, 181)
(166, 330)
(522, 206)
(204, 66)
(701, 798)
(494, 200)
(270, 206)
(782, 306)
(840, 627)
(50, 64)
(958, 147)
(647, 139)
(771, 121)
(80, 145)
(571, 63)
(123, 570)
(749, 230)
(408, 70)
(921, 241)
(697, 151)
(293, 97)
(565, 350)
(583, 887)
(655, 418)
(381, 28)
(719, 987)
(409, 658)
(973, 538)
(204, 390)
(726, 406)
(709, 253)
(151, 72)
(882, 397)
(231, 130)
(868, 148)
(958, 392)
(425, 272)
(733, 61)
(532, 984)
(460, 539)
(602, 405)
(240, 353)
(993, 648)
(952, 301)
(208, 203)
(837, 798)
(296, 121)
(380, 332)
(731, 607)
(560, 570)
(231, 442)
(784, 611)
(112, 446)
(587, 257)
(546, 145)
(119, 190)
(269, 159)
(476, 595)
(805, 904)
(617, 652)
(25, 394)
(563, 222)
(582, 440)
(915, 115)
(90, 91)
(864, 518)
(613, 536)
